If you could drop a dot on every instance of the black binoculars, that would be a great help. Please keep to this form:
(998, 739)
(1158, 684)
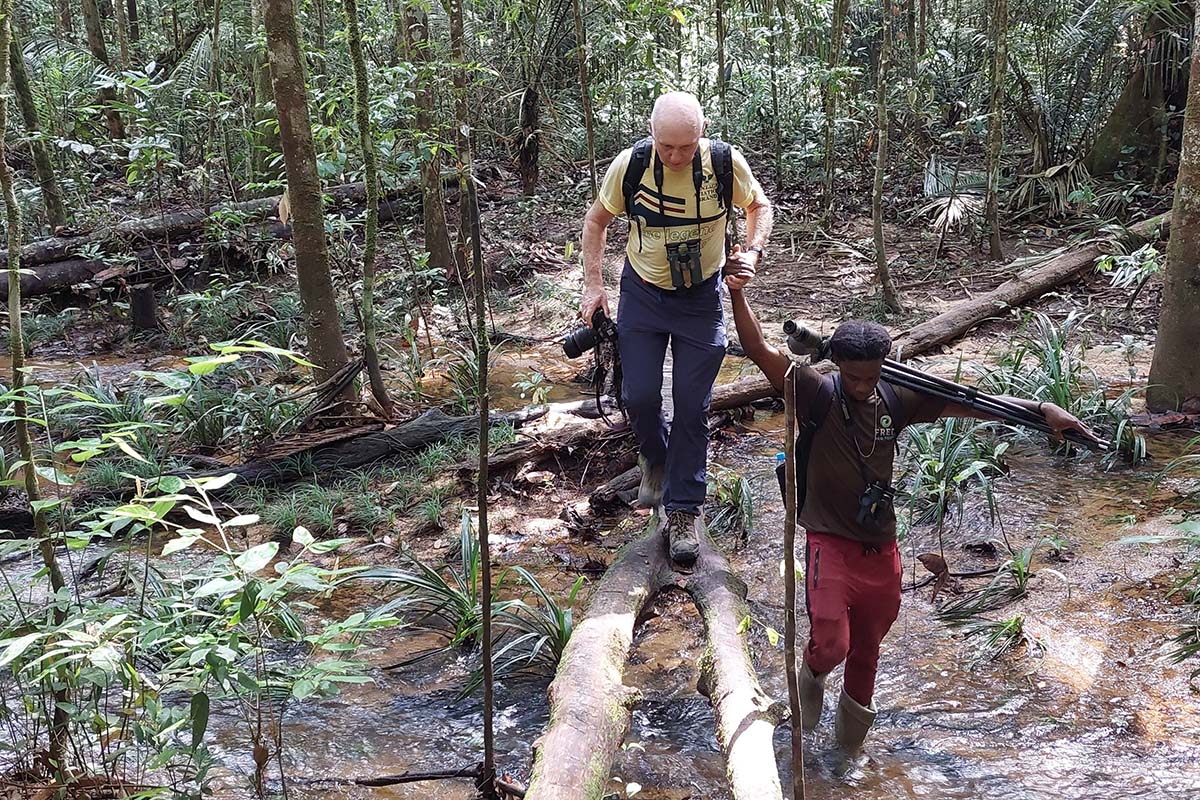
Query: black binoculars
(873, 504)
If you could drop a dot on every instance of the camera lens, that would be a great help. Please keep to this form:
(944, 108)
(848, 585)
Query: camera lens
(579, 341)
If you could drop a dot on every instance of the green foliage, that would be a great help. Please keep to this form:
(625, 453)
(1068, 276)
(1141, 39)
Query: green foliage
(944, 461)
(731, 504)
(1047, 363)
(1011, 582)
(990, 639)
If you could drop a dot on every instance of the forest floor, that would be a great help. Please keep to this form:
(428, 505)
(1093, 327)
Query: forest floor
(818, 275)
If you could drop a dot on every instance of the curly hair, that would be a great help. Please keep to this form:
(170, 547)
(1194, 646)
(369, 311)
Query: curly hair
(858, 340)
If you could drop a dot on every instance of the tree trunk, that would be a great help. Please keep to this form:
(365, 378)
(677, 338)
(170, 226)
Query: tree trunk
(1158, 82)
(745, 715)
(1027, 285)
(891, 299)
(720, 12)
(589, 702)
(131, 12)
(326, 348)
(433, 205)
(59, 730)
(1175, 371)
(56, 213)
(585, 89)
(773, 25)
(65, 20)
(265, 138)
(996, 125)
(528, 145)
(95, 35)
(366, 140)
(831, 89)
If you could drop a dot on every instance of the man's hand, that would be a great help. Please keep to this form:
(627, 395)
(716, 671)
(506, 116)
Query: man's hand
(593, 297)
(1061, 421)
(740, 268)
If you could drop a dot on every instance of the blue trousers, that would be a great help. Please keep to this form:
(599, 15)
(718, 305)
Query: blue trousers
(692, 322)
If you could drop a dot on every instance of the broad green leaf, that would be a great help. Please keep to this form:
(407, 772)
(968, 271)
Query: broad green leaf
(242, 520)
(772, 636)
(257, 557)
(17, 646)
(178, 544)
(219, 586)
(54, 475)
(204, 366)
(302, 536)
(199, 714)
(201, 516)
(215, 483)
(743, 625)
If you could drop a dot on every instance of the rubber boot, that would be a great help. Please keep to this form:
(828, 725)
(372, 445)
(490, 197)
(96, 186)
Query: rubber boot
(812, 696)
(853, 722)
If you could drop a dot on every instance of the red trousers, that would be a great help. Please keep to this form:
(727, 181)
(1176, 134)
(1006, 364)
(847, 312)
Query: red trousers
(853, 595)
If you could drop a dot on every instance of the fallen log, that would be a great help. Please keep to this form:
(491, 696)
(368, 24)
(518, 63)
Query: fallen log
(54, 266)
(1027, 285)
(746, 717)
(590, 704)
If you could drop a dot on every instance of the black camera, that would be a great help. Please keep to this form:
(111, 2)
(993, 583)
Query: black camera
(583, 338)
(684, 260)
(872, 506)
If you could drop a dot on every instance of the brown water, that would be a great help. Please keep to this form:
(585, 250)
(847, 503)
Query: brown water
(1101, 716)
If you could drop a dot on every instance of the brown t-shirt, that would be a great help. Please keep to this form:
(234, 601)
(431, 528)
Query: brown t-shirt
(836, 469)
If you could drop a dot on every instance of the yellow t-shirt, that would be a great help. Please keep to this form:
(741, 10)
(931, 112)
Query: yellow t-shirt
(652, 228)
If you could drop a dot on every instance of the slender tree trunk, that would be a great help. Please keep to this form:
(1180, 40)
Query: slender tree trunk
(135, 30)
(776, 128)
(530, 142)
(585, 93)
(891, 299)
(95, 35)
(64, 20)
(59, 731)
(326, 347)
(121, 27)
(836, 36)
(996, 125)
(265, 136)
(470, 225)
(721, 32)
(922, 27)
(910, 18)
(433, 205)
(366, 140)
(56, 212)
(1175, 370)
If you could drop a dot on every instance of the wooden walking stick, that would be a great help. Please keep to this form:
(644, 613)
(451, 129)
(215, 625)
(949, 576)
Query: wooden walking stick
(789, 580)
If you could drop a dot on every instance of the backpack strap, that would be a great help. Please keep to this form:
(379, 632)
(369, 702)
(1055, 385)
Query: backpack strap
(895, 408)
(813, 418)
(631, 181)
(721, 154)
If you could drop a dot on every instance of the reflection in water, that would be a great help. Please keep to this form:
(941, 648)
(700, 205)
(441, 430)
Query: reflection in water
(1098, 717)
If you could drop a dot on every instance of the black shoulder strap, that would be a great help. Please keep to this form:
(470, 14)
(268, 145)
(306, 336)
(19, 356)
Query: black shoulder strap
(721, 154)
(891, 402)
(818, 410)
(631, 181)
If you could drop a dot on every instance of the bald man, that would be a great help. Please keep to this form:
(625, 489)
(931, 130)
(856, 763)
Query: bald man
(670, 294)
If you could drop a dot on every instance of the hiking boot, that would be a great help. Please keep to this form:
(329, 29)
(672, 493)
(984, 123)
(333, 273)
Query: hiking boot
(683, 538)
(852, 723)
(650, 493)
(812, 696)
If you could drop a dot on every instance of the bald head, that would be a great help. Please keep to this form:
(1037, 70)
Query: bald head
(676, 123)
